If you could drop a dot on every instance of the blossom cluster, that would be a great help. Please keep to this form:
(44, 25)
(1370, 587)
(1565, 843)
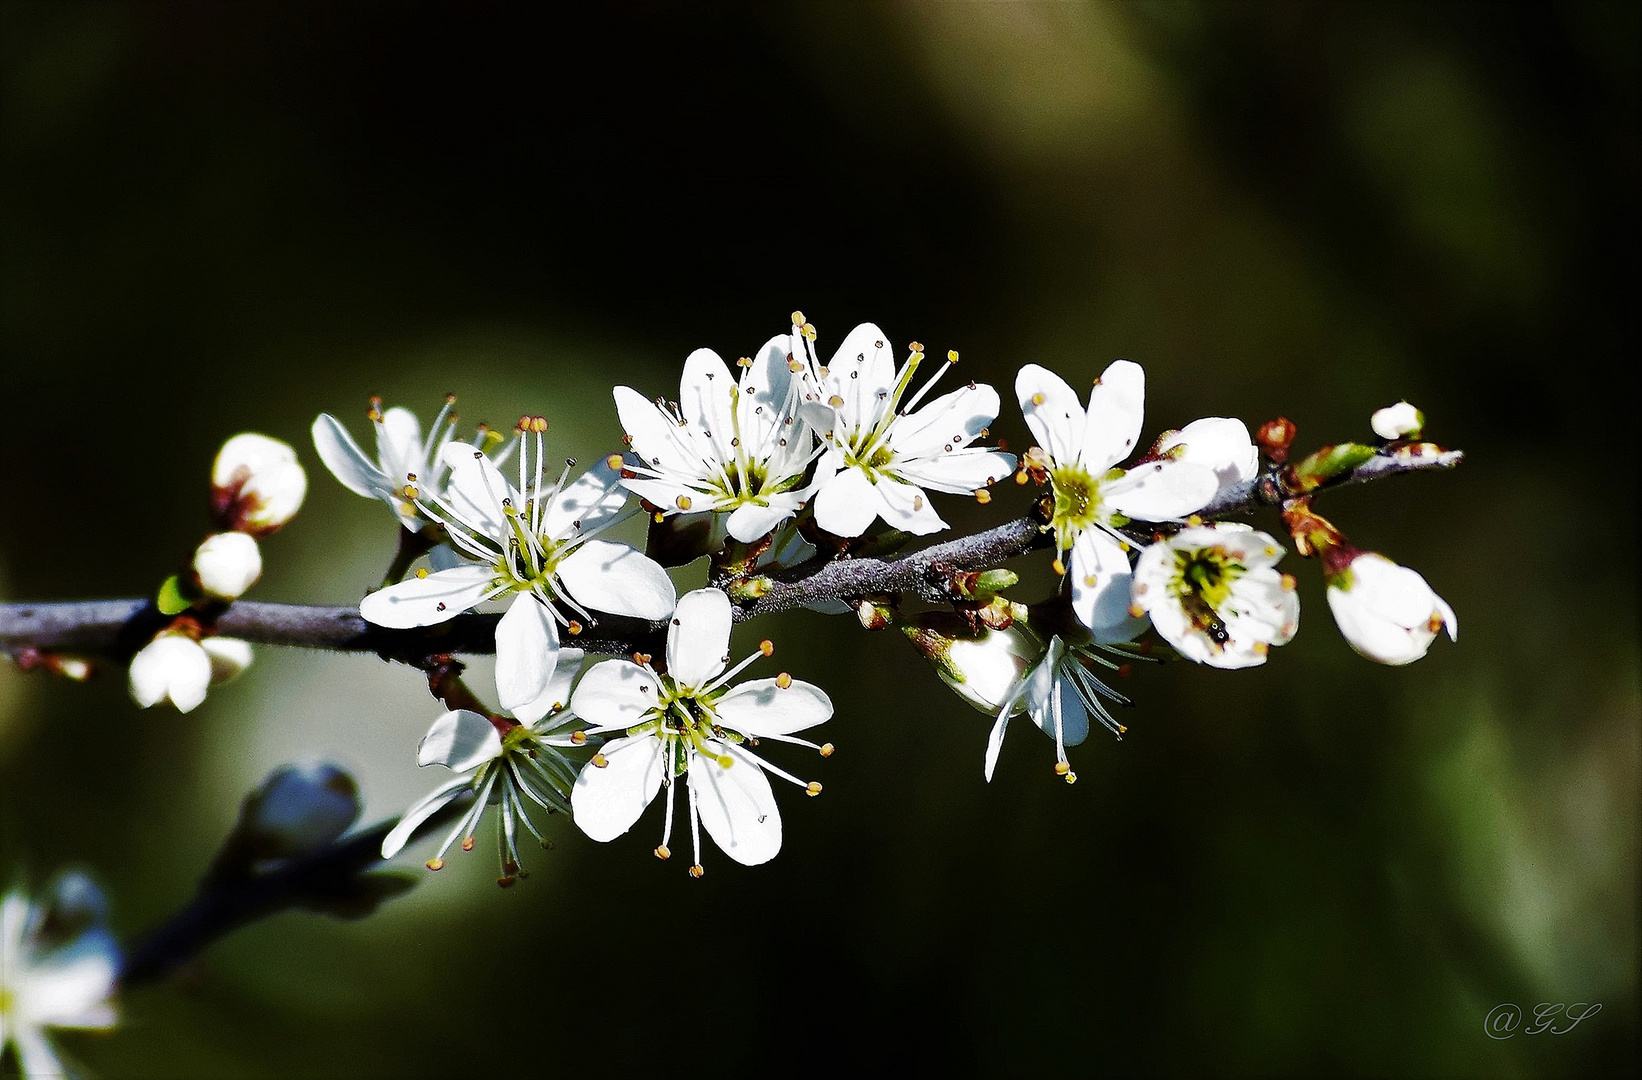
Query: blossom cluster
(783, 458)
(257, 486)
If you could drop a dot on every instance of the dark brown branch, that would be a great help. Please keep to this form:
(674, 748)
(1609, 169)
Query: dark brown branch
(117, 628)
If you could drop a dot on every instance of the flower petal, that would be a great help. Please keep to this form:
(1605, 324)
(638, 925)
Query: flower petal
(950, 422)
(615, 694)
(750, 521)
(1101, 580)
(994, 743)
(847, 504)
(1161, 490)
(862, 372)
(461, 741)
(171, 666)
(1051, 410)
(347, 462)
(476, 490)
(1074, 718)
(527, 652)
(658, 441)
(399, 445)
(423, 601)
(617, 579)
(420, 811)
(961, 472)
(1220, 443)
(698, 637)
(704, 398)
(1116, 409)
(907, 507)
(763, 707)
(737, 806)
(588, 504)
(69, 986)
(606, 802)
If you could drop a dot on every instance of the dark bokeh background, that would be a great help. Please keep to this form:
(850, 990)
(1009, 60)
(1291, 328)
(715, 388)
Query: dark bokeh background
(216, 217)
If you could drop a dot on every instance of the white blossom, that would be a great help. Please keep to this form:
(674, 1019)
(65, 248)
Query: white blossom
(727, 446)
(534, 543)
(227, 564)
(229, 657)
(403, 457)
(881, 454)
(689, 725)
(58, 965)
(1060, 691)
(1399, 421)
(1387, 612)
(1078, 448)
(509, 763)
(257, 484)
(1214, 593)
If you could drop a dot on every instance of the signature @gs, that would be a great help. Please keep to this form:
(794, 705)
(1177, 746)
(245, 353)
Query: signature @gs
(1503, 1021)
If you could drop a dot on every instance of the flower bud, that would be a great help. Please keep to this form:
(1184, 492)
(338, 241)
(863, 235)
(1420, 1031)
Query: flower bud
(298, 809)
(256, 484)
(227, 564)
(984, 669)
(229, 657)
(172, 668)
(1399, 421)
(1386, 611)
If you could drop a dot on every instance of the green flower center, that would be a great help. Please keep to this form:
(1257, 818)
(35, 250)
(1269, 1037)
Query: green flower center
(1202, 583)
(1078, 504)
(683, 720)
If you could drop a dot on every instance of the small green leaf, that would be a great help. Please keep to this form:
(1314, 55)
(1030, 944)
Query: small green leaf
(1331, 461)
(171, 601)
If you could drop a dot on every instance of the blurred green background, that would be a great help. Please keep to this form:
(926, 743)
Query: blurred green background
(217, 217)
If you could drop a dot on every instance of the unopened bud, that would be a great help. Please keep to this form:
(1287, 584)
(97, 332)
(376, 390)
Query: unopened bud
(1399, 421)
(984, 669)
(229, 657)
(257, 485)
(227, 564)
(1387, 612)
(299, 809)
(172, 668)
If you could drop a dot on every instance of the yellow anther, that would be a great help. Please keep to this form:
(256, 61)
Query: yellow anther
(767, 647)
(826, 749)
(1136, 611)
(1090, 580)
(952, 355)
(507, 881)
(659, 517)
(1194, 520)
(1020, 477)
(808, 331)
(836, 402)
(467, 843)
(745, 361)
(798, 318)
(783, 680)
(1071, 778)
(683, 502)
(696, 870)
(600, 761)
(813, 788)
(725, 761)
(794, 366)
(1062, 768)
(662, 852)
(573, 626)
(577, 738)
(614, 461)
(1058, 566)
(421, 572)
(436, 864)
(1037, 399)
(1289, 584)
(1434, 623)
(983, 496)
(916, 346)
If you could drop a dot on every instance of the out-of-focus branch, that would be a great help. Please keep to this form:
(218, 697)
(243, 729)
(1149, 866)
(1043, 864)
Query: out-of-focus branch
(337, 879)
